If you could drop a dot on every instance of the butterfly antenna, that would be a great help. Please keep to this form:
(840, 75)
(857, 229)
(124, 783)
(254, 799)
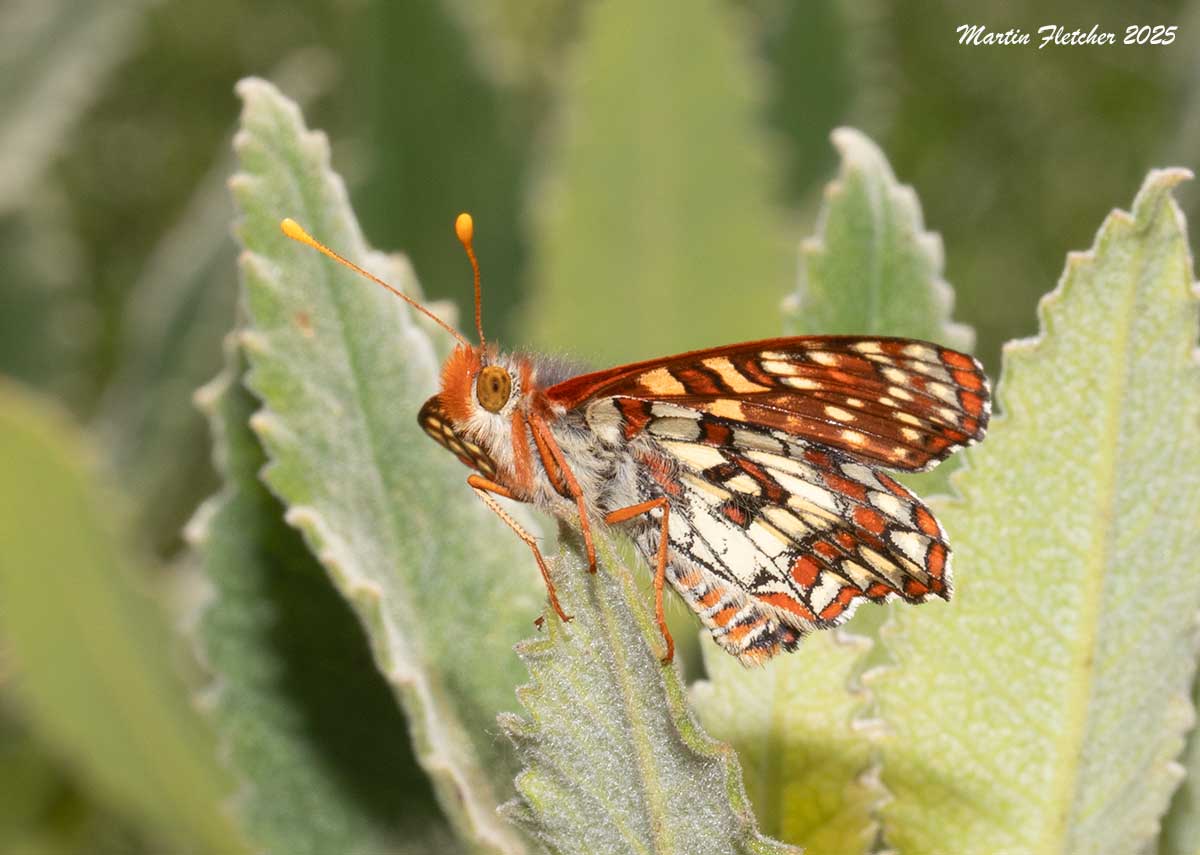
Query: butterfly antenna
(294, 230)
(464, 227)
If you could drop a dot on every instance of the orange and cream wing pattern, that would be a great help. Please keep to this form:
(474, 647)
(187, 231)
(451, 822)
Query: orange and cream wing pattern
(778, 537)
(896, 403)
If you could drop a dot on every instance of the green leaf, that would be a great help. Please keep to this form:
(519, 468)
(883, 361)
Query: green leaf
(55, 56)
(321, 748)
(659, 199)
(520, 43)
(1040, 711)
(341, 370)
(48, 334)
(807, 768)
(175, 315)
(614, 761)
(177, 312)
(43, 808)
(1181, 827)
(91, 651)
(872, 268)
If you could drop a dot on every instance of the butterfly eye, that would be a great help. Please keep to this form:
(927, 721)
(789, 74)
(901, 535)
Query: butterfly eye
(493, 388)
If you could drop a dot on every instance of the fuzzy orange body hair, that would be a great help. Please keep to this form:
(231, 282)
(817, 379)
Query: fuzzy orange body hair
(455, 395)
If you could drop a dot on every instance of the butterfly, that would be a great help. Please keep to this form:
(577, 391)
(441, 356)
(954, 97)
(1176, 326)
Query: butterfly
(748, 476)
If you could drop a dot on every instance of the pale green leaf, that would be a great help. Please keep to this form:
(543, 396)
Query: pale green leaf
(319, 744)
(658, 205)
(807, 766)
(175, 315)
(55, 56)
(1040, 710)
(44, 810)
(871, 268)
(1181, 827)
(48, 329)
(342, 370)
(614, 761)
(91, 652)
(178, 310)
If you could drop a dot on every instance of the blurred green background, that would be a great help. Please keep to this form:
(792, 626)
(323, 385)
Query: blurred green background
(118, 267)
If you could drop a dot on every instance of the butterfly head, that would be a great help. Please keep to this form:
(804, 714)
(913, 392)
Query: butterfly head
(473, 411)
(480, 387)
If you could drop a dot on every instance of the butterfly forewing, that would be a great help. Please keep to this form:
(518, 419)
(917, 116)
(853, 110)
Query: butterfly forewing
(896, 403)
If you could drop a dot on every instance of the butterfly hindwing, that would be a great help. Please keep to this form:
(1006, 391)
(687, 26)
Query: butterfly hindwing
(772, 536)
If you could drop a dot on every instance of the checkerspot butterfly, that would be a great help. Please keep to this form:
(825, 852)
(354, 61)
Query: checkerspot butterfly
(748, 476)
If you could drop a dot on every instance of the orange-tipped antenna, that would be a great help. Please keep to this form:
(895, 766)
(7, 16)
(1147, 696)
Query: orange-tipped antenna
(294, 230)
(464, 227)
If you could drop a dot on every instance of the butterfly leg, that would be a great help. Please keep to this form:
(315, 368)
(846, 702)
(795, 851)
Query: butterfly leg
(546, 444)
(483, 489)
(660, 572)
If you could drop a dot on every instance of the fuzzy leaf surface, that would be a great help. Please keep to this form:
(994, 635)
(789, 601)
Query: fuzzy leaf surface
(1181, 826)
(310, 726)
(341, 369)
(90, 651)
(1023, 715)
(657, 206)
(615, 762)
(872, 268)
(806, 768)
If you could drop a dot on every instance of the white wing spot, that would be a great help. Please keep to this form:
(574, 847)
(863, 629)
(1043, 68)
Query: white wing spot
(913, 545)
(907, 418)
(709, 493)
(822, 358)
(883, 566)
(806, 492)
(823, 594)
(854, 437)
(753, 439)
(862, 474)
(744, 484)
(801, 383)
(897, 392)
(890, 505)
(784, 464)
(786, 522)
(920, 351)
(664, 410)
(866, 347)
(942, 391)
(856, 573)
(776, 366)
(769, 542)
(855, 402)
(895, 375)
(910, 434)
(694, 455)
(840, 415)
(675, 428)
